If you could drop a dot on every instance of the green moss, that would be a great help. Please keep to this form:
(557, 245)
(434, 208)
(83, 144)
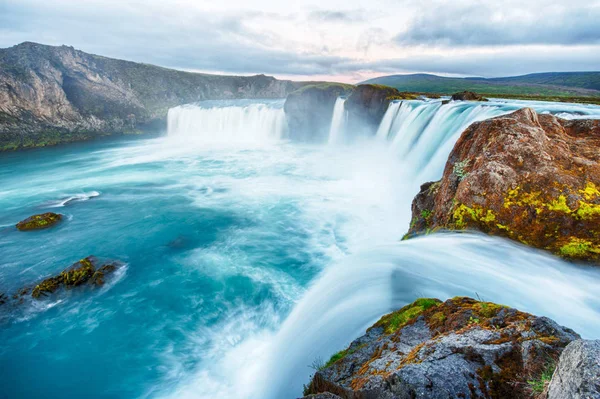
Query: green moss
(425, 213)
(463, 213)
(559, 205)
(396, 320)
(578, 248)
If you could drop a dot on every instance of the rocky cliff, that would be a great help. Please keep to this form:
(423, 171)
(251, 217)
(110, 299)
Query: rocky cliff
(309, 109)
(50, 95)
(532, 178)
(461, 348)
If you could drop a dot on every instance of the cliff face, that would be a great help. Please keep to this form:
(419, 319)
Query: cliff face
(532, 178)
(309, 109)
(50, 95)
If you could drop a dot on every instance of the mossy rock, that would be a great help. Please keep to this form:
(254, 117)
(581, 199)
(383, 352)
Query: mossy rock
(460, 348)
(38, 222)
(83, 272)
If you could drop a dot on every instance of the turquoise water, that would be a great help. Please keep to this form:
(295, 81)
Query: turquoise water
(217, 242)
(245, 258)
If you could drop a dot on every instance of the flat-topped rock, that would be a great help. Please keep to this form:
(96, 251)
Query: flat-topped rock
(38, 222)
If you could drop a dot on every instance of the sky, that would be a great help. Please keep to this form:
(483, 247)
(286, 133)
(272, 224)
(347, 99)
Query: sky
(347, 41)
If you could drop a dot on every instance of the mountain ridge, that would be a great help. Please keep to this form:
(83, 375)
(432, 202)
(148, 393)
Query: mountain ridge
(55, 94)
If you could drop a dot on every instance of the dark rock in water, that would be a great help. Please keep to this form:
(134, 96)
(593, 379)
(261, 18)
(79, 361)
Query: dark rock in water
(461, 348)
(368, 103)
(532, 178)
(51, 95)
(82, 272)
(3, 299)
(467, 96)
(577, 375)
(38, 222)
(308, 110)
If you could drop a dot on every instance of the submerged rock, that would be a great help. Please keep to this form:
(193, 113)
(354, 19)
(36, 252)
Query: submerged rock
(577, 375)
(532, 178)
(308, 110)
(38, 222)
(82, 272)
(461, 348)
(467, 96)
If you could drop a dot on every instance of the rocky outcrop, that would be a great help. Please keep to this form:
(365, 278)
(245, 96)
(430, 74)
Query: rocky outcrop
(532, 178)
(308, 110)
(577, 375)
(51, 95)
(38, 222)
(368, 103)
(88, 271)
(461, 348)
(467, 96)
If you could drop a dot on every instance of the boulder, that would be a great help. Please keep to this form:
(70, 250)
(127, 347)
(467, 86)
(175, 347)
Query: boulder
(532, 178)
(577, 375)
(309, 110)
(38, 222)
(461, 348)
(467, 96)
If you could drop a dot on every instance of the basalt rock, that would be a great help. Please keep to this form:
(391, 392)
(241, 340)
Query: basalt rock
(38, 222)
(577, 375)
(532, 178)
(368, 103)
(467, 96)
(461, 348)
(83, 272)
(51, 95)
(308, 110)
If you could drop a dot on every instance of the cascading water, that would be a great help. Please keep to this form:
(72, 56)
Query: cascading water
(337, 121)
(247, 262)
(228, 121)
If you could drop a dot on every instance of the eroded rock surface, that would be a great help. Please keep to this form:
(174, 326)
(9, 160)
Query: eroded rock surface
(461, 348)
(532, 178)
(577, 375)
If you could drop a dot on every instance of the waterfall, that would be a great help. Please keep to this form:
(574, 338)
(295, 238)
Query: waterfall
(228, 121)
(337, 121)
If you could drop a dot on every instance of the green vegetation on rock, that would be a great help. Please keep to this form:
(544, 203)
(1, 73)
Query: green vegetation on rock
(38, 222)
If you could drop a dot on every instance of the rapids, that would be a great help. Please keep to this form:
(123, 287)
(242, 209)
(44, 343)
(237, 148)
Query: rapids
(248, 256)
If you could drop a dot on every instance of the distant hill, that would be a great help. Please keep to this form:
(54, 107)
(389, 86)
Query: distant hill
(561, 84)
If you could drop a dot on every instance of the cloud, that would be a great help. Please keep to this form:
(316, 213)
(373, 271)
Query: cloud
(299, 41)
(338, 16)
(499, 23)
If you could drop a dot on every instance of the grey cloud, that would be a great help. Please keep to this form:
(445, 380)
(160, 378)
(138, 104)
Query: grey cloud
(490, 24)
